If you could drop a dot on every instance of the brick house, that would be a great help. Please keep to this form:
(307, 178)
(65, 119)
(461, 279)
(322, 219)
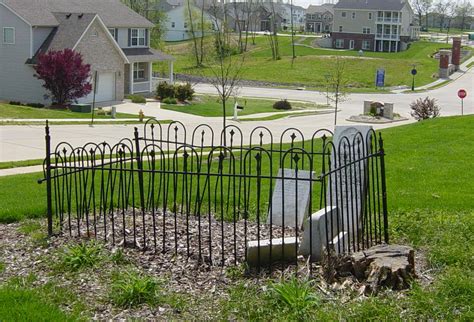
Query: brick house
(374, 25)
(112, 38)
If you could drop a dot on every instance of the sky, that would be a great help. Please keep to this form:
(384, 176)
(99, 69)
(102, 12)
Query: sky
(306, 3)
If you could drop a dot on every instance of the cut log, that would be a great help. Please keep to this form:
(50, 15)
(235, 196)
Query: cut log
(390, 266)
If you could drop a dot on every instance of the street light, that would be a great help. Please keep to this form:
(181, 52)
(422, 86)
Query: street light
(413, 72)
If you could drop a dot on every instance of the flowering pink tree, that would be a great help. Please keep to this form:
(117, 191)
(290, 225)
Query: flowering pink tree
(64, 74)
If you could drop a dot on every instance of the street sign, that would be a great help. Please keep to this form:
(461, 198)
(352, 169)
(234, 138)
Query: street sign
(462, 93)
(414, 71)
(380, 78)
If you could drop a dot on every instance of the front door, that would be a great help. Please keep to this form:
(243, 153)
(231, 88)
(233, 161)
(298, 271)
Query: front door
(318, 27)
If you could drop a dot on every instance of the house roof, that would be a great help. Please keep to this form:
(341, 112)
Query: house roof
(136, 55)
(112, 12)
(395, 5)
(68, 34)
(320, 9)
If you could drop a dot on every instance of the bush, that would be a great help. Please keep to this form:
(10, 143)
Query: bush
(184, 92)
(282, 105)
(35, 105)
(170, 100)
(15, 103)
(423, 109)
(164, 90)
(138, 99)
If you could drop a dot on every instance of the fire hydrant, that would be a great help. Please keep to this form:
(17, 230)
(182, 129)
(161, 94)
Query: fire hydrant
(141, 115)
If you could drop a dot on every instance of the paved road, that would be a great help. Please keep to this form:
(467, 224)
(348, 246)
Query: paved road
(27, 142)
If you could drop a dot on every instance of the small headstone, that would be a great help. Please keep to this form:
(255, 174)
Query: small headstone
(315, 232)
(283, 250)
(290, 199)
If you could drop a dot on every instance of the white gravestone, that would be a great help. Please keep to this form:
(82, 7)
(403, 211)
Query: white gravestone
(290, 199)
(348, 189)
(315, 232)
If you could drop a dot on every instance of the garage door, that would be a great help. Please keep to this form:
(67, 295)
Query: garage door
(105, 89)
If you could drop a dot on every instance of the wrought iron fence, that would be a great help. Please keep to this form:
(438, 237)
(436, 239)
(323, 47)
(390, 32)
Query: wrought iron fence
(221, 199)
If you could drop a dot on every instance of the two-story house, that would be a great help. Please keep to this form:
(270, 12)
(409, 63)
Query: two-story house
(319, 19)
(112, 38)
(177, 24)
(374, 25)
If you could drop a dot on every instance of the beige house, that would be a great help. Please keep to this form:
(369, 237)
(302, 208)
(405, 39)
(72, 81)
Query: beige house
(374, 25)
(112, 38)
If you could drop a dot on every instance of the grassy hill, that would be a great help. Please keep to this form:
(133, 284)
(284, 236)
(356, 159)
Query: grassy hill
(312, 63)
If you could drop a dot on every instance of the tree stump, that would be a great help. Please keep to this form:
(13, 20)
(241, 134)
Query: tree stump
(391, 266)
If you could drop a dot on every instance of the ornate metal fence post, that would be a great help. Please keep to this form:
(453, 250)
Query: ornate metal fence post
(384, 188)
(48, 180)
(140, 181)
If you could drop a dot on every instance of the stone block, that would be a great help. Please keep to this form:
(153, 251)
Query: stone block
(282, 250)
(314, 238)
(388, 111)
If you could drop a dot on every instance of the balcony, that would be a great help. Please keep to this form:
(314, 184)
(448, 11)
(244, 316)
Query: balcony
(387, 36)
(389, 20)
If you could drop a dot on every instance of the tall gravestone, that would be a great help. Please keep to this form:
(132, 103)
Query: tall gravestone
(290, 199)
(347, 188)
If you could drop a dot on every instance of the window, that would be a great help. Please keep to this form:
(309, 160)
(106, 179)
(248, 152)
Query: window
(138, 37)
(339, 43)
(340, 28)
(343, 14)
(185, 25)
(173, 24)
(139, 71)
(370, 15)
(366, 30)
(351, 44)
(9, 35)
(366, 44)
(113, 32)
(353, 15)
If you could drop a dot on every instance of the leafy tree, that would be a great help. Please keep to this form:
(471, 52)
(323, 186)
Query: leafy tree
(64, 74)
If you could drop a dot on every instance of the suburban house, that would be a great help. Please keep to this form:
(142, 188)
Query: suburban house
(252, 16)
(298, 12)
(178, 20)
(319, 19)
(374, 25)
(112, 38)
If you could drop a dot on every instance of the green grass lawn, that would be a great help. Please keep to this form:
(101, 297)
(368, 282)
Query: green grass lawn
(312, 63)
(211, 106)
(431, 206)
(8, 111)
